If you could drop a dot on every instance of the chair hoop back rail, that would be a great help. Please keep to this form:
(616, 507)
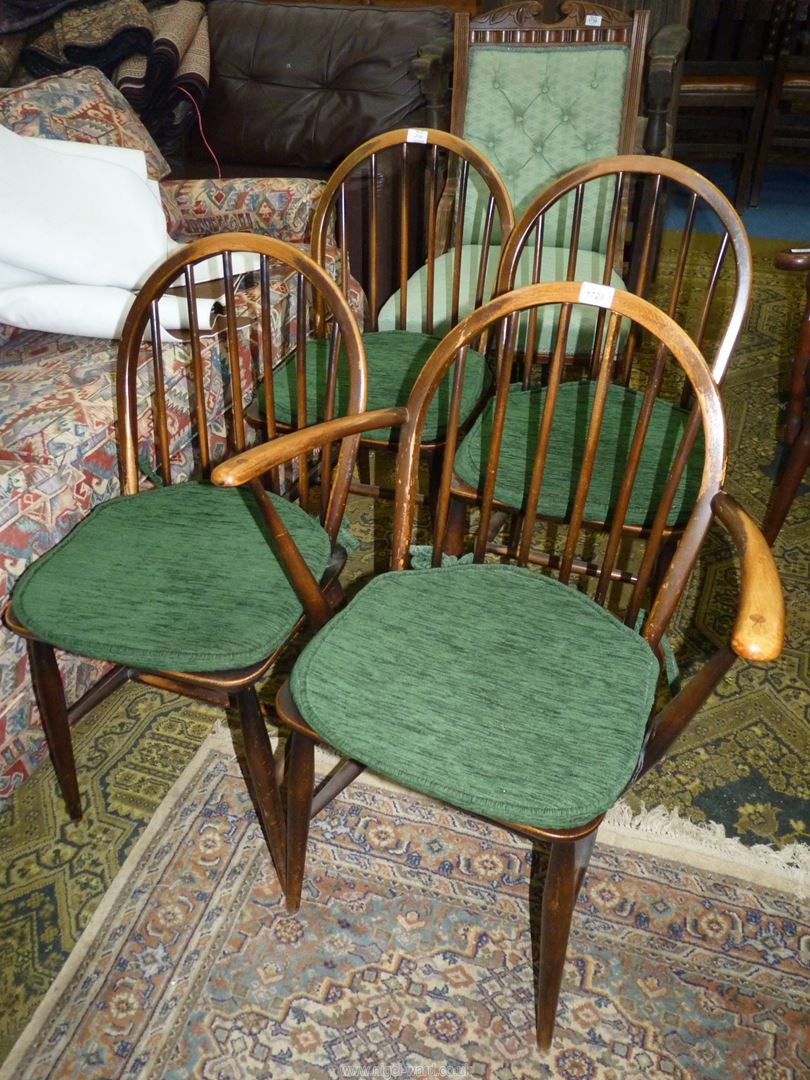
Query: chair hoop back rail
(655, 179)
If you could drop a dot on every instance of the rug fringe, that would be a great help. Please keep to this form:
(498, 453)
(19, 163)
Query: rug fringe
(660, 829)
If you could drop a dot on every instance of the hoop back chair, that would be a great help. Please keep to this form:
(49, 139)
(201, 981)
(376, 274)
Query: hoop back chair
(179, 584)
(498, 687)
(401, 335)
(708, 295)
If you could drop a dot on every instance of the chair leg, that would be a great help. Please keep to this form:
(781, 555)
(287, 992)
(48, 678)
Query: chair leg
(566, 870)
(300, 781)
(798, 463)
(50, 695)
(262, 772)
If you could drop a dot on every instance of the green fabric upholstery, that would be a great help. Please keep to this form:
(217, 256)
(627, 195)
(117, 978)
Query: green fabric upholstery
(535, 113)
(590, 267)
(394, 360)
(494, 688)
(566, 447)
(179, 578)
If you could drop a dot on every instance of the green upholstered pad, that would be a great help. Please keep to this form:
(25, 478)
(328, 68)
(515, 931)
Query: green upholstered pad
(566, 446)
(394, 359)
(179, 578)
(535, 114)
(491, 687)
(554, 265)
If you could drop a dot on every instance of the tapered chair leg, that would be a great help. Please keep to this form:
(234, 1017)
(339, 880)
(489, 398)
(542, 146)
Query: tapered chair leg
(564, 876)
(50, 695)
(262, 772)
(300, 781)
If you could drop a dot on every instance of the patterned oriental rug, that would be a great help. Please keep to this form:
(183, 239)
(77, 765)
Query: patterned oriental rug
(412, 953)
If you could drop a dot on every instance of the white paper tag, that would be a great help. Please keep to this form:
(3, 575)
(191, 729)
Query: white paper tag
(593, 20)
(416, 135)
(601, 295)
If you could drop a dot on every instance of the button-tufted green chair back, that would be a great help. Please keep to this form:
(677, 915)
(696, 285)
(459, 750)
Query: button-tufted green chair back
(539, 98)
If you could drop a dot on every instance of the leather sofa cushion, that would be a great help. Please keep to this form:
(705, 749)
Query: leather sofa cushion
(300, 85)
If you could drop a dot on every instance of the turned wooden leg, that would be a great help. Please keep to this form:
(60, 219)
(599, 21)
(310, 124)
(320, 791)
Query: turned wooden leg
(262, 773)
(50, 695)
(300, 780)
(566, 870)
(797, 465)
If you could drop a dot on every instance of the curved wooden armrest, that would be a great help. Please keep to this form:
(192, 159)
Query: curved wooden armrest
(797, 258)
(260, 459)
(760, 626)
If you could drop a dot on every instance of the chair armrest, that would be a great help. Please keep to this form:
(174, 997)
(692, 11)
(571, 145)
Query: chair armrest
(664, 63)
(431, 67)
(261, 459)
(281, 207)
(797, 258)
(759, 629)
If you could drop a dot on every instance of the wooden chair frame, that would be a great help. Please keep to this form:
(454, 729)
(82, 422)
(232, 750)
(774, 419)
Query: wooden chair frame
(232, 688)
(757, 632)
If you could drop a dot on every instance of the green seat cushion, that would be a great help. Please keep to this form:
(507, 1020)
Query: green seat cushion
(553, 267)
(494, 688)
(394, 359)
(179, 578)
(566, 448)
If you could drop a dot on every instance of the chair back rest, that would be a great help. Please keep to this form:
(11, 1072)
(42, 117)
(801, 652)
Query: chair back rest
(434, 175)
(568, 550)
(704, 274)
(538, 98)
(731, 37)
(244, 303)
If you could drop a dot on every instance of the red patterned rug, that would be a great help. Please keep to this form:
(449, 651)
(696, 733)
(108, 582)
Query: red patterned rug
(411, 956)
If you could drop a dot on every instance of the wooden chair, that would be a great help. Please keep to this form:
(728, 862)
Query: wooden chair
(402, 332)
(786, 125)
(539, 97)
(727, 74)
(493, 686)
(797, 421)
(178, 583)
(709, 296)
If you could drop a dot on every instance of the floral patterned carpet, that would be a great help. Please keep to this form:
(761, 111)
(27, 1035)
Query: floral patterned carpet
(412, 949)
(742, 762)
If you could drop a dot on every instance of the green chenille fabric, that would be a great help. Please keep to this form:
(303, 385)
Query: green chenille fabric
(535, 114)
(590, 266)
(179, 578)
(491, 687)
(566, 447)
(394, 360)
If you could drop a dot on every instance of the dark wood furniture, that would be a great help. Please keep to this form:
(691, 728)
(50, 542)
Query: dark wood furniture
(151, 574)
(487, 639)
(727, 75)
(797, 420)
(786, 124)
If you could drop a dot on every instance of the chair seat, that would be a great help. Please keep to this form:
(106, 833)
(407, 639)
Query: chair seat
(181, 578)
(491, 687)
(566, 449)
(394, 359)
(590, 266)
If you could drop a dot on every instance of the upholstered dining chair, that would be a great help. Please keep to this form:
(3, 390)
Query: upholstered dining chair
(401, 333)
(498, 687)
(602, 222)
(178, 583)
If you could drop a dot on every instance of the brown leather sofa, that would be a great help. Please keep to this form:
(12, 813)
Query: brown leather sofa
(296, 87)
